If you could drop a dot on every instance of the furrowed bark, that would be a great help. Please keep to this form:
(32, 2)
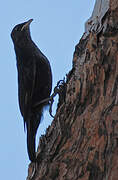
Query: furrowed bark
(82, 141)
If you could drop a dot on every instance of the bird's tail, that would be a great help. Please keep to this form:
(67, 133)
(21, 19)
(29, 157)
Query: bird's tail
(32, 125)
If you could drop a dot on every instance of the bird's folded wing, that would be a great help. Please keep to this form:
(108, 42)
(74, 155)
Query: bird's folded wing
(26, 83)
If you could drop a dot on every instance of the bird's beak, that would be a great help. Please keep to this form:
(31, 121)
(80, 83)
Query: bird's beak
(26, 24)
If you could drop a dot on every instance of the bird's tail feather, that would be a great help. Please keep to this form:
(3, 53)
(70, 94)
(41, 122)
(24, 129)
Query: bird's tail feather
(32, 125)
(31, 143)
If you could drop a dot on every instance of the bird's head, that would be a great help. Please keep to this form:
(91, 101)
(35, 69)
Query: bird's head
(21, 32)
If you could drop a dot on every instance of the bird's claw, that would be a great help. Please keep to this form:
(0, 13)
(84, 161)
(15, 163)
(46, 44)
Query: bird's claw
(56, 91)
(50, 100)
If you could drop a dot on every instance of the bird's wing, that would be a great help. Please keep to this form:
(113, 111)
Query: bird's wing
(26, 83)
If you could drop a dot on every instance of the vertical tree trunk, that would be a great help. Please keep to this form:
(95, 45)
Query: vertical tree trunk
(82, 142)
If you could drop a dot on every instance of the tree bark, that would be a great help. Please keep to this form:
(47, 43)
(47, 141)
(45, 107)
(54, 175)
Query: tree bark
(82, 141)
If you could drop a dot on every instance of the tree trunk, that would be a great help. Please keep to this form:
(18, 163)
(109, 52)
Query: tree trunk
(82, 142)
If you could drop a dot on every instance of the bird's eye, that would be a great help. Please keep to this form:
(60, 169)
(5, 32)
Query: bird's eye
(16, 28)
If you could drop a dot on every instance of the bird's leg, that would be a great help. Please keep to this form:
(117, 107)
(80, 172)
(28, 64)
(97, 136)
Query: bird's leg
(50, 100)
(56, 91)
(50, 109)
(44, 101)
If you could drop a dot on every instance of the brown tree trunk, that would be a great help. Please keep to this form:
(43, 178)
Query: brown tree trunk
(82, 142)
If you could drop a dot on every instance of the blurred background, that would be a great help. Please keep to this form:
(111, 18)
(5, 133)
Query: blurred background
(56, 29)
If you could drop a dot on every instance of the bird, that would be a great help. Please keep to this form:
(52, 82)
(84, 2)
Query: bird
(34, 81)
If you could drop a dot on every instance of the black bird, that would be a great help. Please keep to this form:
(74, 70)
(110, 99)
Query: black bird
(34, 81)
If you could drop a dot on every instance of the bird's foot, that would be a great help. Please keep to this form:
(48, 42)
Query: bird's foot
(55, 92)
(50, 100)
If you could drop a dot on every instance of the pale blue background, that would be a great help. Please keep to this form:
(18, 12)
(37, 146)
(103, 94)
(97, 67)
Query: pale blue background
(56, 29)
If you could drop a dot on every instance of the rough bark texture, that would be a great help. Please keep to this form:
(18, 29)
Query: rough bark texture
(82, 142)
